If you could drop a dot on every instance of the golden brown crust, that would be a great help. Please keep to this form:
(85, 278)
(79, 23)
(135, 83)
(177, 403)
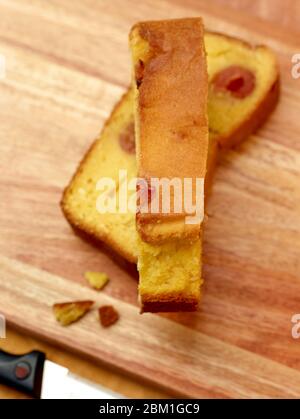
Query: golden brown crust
(177, 229)
(170, 303)
(171, 114)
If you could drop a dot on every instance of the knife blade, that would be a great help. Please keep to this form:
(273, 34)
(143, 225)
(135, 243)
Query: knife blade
(43, 379)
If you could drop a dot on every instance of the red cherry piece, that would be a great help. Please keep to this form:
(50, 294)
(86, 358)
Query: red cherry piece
(238, 81)
(127, 139)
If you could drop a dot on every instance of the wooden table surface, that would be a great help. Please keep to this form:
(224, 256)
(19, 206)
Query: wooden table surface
(284, 13)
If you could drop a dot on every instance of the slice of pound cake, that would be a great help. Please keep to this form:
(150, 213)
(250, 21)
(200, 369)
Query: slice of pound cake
(232, 91)
(171, 88)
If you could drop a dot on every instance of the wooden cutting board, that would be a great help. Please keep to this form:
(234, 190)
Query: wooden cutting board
(67, 64)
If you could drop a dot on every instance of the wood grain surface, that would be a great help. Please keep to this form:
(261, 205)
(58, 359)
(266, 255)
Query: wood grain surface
(19, 342)
(67, 64)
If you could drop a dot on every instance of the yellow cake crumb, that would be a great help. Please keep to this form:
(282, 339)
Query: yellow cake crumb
(67, 313)
(97, 280)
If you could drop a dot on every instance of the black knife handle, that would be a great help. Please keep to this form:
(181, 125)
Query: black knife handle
(23, 372)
